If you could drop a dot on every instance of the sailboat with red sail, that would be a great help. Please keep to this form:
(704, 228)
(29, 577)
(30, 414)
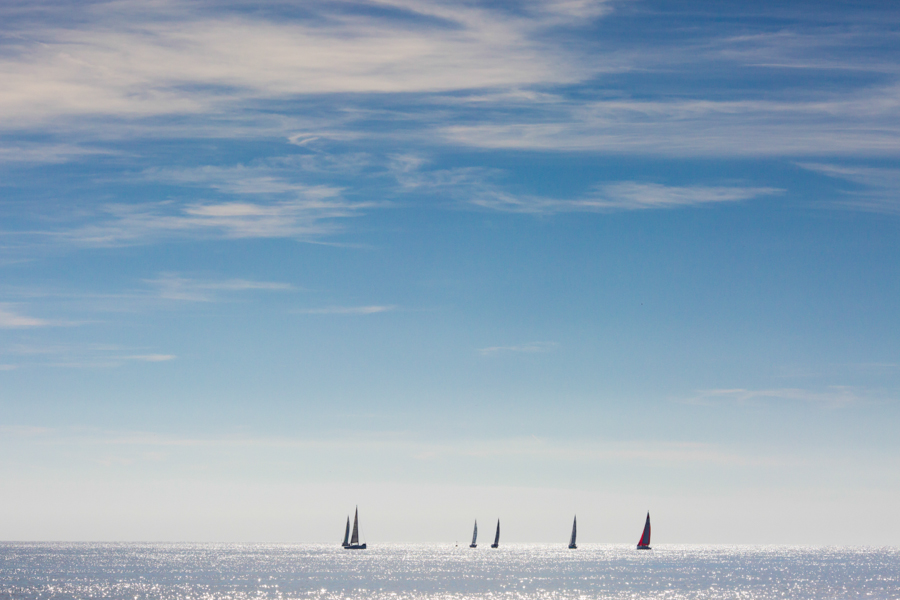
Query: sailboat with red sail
(644, 542)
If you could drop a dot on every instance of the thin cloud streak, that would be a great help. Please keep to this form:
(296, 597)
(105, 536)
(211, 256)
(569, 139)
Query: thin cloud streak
(10, 319)
(529, 348)
(347, 310)
(832, 397)
(122, 225)
(621, 196)
(639, 451)
(859, 123)
(173, 287)
(880, 187)
(476, 186)
(80, 356)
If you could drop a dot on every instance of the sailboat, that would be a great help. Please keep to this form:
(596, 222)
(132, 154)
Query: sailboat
(644, 542)
(572, 545)
(474, 536)
(497, 536)
(346, 534)
(354, 538)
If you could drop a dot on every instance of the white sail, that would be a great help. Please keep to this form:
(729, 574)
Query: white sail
(475, 534)
(574, 527)
(346, 533)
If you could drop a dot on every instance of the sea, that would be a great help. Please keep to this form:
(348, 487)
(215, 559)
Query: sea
(132, 571)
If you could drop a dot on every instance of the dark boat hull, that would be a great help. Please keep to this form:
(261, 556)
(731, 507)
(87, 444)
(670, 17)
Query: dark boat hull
(473, 545)
(495, 545)
(573, 547)
(355, 547)
(644, 548)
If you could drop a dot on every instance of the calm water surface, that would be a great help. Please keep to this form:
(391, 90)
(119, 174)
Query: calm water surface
(531, 571)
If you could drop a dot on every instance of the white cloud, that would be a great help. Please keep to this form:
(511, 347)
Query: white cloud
(832, 397)
(125, 224)
(173, 287)
(529, 348)
(81, 356)
(859, 122)
(625, 195)
(151, 357)
(134, 59)
(477, 186)
(880, 187)
(12, 320)
(347, 310)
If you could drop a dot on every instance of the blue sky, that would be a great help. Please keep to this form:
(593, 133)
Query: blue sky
(448, 260)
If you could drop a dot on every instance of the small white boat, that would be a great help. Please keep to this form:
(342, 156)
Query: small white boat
(474, 536)
(572, 545)
(496, 543)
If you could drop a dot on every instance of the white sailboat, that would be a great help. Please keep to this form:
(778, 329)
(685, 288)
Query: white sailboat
(354, 537)
(474, 536)
(572, 541)
(496, 543)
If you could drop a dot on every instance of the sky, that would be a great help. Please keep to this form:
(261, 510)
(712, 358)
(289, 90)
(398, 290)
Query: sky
(261, 263)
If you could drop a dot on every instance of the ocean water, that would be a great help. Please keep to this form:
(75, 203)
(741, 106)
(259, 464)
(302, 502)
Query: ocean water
(418, 571)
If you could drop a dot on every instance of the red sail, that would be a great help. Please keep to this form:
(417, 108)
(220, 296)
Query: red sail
(645, 537)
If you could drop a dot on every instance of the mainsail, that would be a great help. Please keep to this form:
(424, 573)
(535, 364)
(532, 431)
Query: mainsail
(354, 539)
(474, 535)
(572, 541)
(644, 542)
(346, 533)
(496, 536)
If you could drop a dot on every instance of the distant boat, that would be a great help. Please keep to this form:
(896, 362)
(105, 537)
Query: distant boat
(474, 536)
(346, 541)
(572, 541)
(497, 536)
(644, 542)
(354, 538)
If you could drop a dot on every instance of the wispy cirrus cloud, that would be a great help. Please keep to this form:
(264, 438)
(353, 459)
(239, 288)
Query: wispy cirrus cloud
(878, 187)
(854, 122)
(528, 348)
(150, 357)
(135, 59)
(10, 319)
(173, 287)
(619, 196)
(406, 447)
(478, 186)
(347, 310)
(128, 224)
(78, 355)
(831, 397)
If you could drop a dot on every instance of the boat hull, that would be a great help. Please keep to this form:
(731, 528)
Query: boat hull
(573, 547)
(355, 547)
(644, 548)
(495, 545)
(473, 545)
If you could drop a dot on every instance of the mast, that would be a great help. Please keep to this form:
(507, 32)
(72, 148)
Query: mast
(346, 533)
(496, 536)
(354, 539)
(572, 541)
(644, 542)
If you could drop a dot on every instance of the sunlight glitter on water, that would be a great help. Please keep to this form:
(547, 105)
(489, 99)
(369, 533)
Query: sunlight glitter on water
(419, 572)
